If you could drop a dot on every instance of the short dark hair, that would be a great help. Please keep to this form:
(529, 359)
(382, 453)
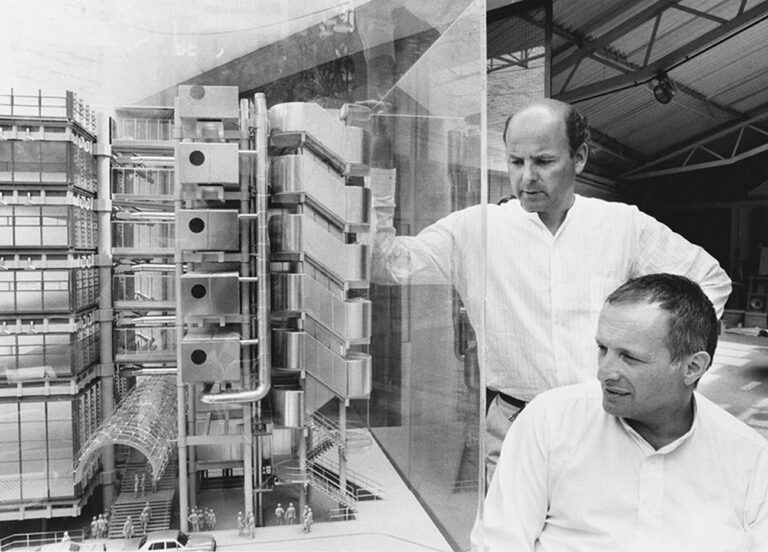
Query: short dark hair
(693, 323)
(576, 127)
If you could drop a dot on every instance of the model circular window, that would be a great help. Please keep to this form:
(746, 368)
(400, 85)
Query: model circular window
(198, 291)
(197, 92)
(196, 225)
(199, 356)
(197, 158)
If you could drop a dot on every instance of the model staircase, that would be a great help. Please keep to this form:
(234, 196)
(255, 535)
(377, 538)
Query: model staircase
(321, 472)
(353, 439)
(129, 505)
(358, 486)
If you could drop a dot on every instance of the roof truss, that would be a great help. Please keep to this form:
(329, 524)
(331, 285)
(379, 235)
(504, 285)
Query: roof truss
(599, 48)
(731, 145)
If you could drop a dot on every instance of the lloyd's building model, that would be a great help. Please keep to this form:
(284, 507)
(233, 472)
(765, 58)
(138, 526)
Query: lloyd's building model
(222, 245)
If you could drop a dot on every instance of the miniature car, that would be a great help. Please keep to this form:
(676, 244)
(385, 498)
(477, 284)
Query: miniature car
(177, 540)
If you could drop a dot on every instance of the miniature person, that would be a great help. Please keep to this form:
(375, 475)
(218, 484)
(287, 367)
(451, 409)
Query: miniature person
(128, 529)
(142, 483)
(144, 521)
(279, 513)
(194, 520)
(240, 524)
(638, 457)
(65, 539)
(251, 522)
(94, 528)
(308, 519)
(101, 527)
(565, 253)
(148, 509)
(135, 485)
(153, 481)
(211, 519)
(290, 513)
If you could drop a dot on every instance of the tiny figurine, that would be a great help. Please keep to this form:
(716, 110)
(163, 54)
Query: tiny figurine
(128, 528)
(290, 513)
(308, 519)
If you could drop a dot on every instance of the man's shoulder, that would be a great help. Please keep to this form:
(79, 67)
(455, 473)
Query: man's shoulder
(727, 426)
(585, 396)
(603, 205)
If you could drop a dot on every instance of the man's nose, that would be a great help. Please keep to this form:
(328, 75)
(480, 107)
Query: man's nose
(606, 367)
(529, 172)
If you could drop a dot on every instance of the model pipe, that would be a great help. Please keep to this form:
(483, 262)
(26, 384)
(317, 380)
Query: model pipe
(262, 268)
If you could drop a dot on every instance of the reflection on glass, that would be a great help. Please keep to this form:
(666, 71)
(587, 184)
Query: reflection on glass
(425, 409)
(415, 71)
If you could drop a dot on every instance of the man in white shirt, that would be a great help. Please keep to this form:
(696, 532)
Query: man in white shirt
(550, 259)
(637, 461)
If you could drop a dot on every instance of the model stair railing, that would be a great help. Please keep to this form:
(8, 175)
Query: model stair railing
(359, 486)
(327, 484)
(352, 440)
(318, 478)
(319, 446)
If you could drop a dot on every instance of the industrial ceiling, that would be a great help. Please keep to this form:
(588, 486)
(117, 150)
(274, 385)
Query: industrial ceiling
(707, 59)
(620, 60)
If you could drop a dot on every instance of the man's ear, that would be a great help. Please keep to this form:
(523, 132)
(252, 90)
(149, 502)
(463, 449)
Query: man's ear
(580, 157)
(695, 366)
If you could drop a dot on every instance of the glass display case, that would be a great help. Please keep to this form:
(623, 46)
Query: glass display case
(218, 164)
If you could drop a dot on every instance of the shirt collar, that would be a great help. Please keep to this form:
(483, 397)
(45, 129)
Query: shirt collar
(666, 449)
(534, 217)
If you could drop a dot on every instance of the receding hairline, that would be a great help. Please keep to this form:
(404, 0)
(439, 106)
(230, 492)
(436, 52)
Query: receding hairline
(558, 109)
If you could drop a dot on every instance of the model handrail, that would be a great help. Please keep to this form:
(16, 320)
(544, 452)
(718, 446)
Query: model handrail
(353, 439)
(319, 480)
(29, 540)
(356, 478)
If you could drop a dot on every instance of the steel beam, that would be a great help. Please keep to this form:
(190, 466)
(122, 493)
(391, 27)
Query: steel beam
(684, 53)
(700, 145)
(611, 36)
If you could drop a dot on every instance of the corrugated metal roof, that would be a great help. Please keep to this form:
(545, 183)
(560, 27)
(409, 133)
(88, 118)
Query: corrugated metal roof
(735, 75)
(720, 82)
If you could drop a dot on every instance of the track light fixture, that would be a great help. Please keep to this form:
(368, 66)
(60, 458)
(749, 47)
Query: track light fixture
(663, 90)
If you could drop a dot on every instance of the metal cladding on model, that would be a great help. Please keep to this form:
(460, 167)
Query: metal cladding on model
(325, 188)
(207, 102)
(288, 407)
(345, 142)
(348, 319)
(321, 206)
(202, 112)
(210, 354)
(210, 294)
(208, 229)
(288, 349)
(300, 234)
(349, 376)
(208, 163)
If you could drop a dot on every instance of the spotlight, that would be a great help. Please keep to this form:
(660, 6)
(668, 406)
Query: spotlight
(664, 90)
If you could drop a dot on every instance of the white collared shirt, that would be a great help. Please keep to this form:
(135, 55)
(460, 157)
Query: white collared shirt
(573, 478)
(544, 292)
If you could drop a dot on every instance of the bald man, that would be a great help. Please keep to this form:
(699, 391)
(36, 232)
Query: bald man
(551, 258)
